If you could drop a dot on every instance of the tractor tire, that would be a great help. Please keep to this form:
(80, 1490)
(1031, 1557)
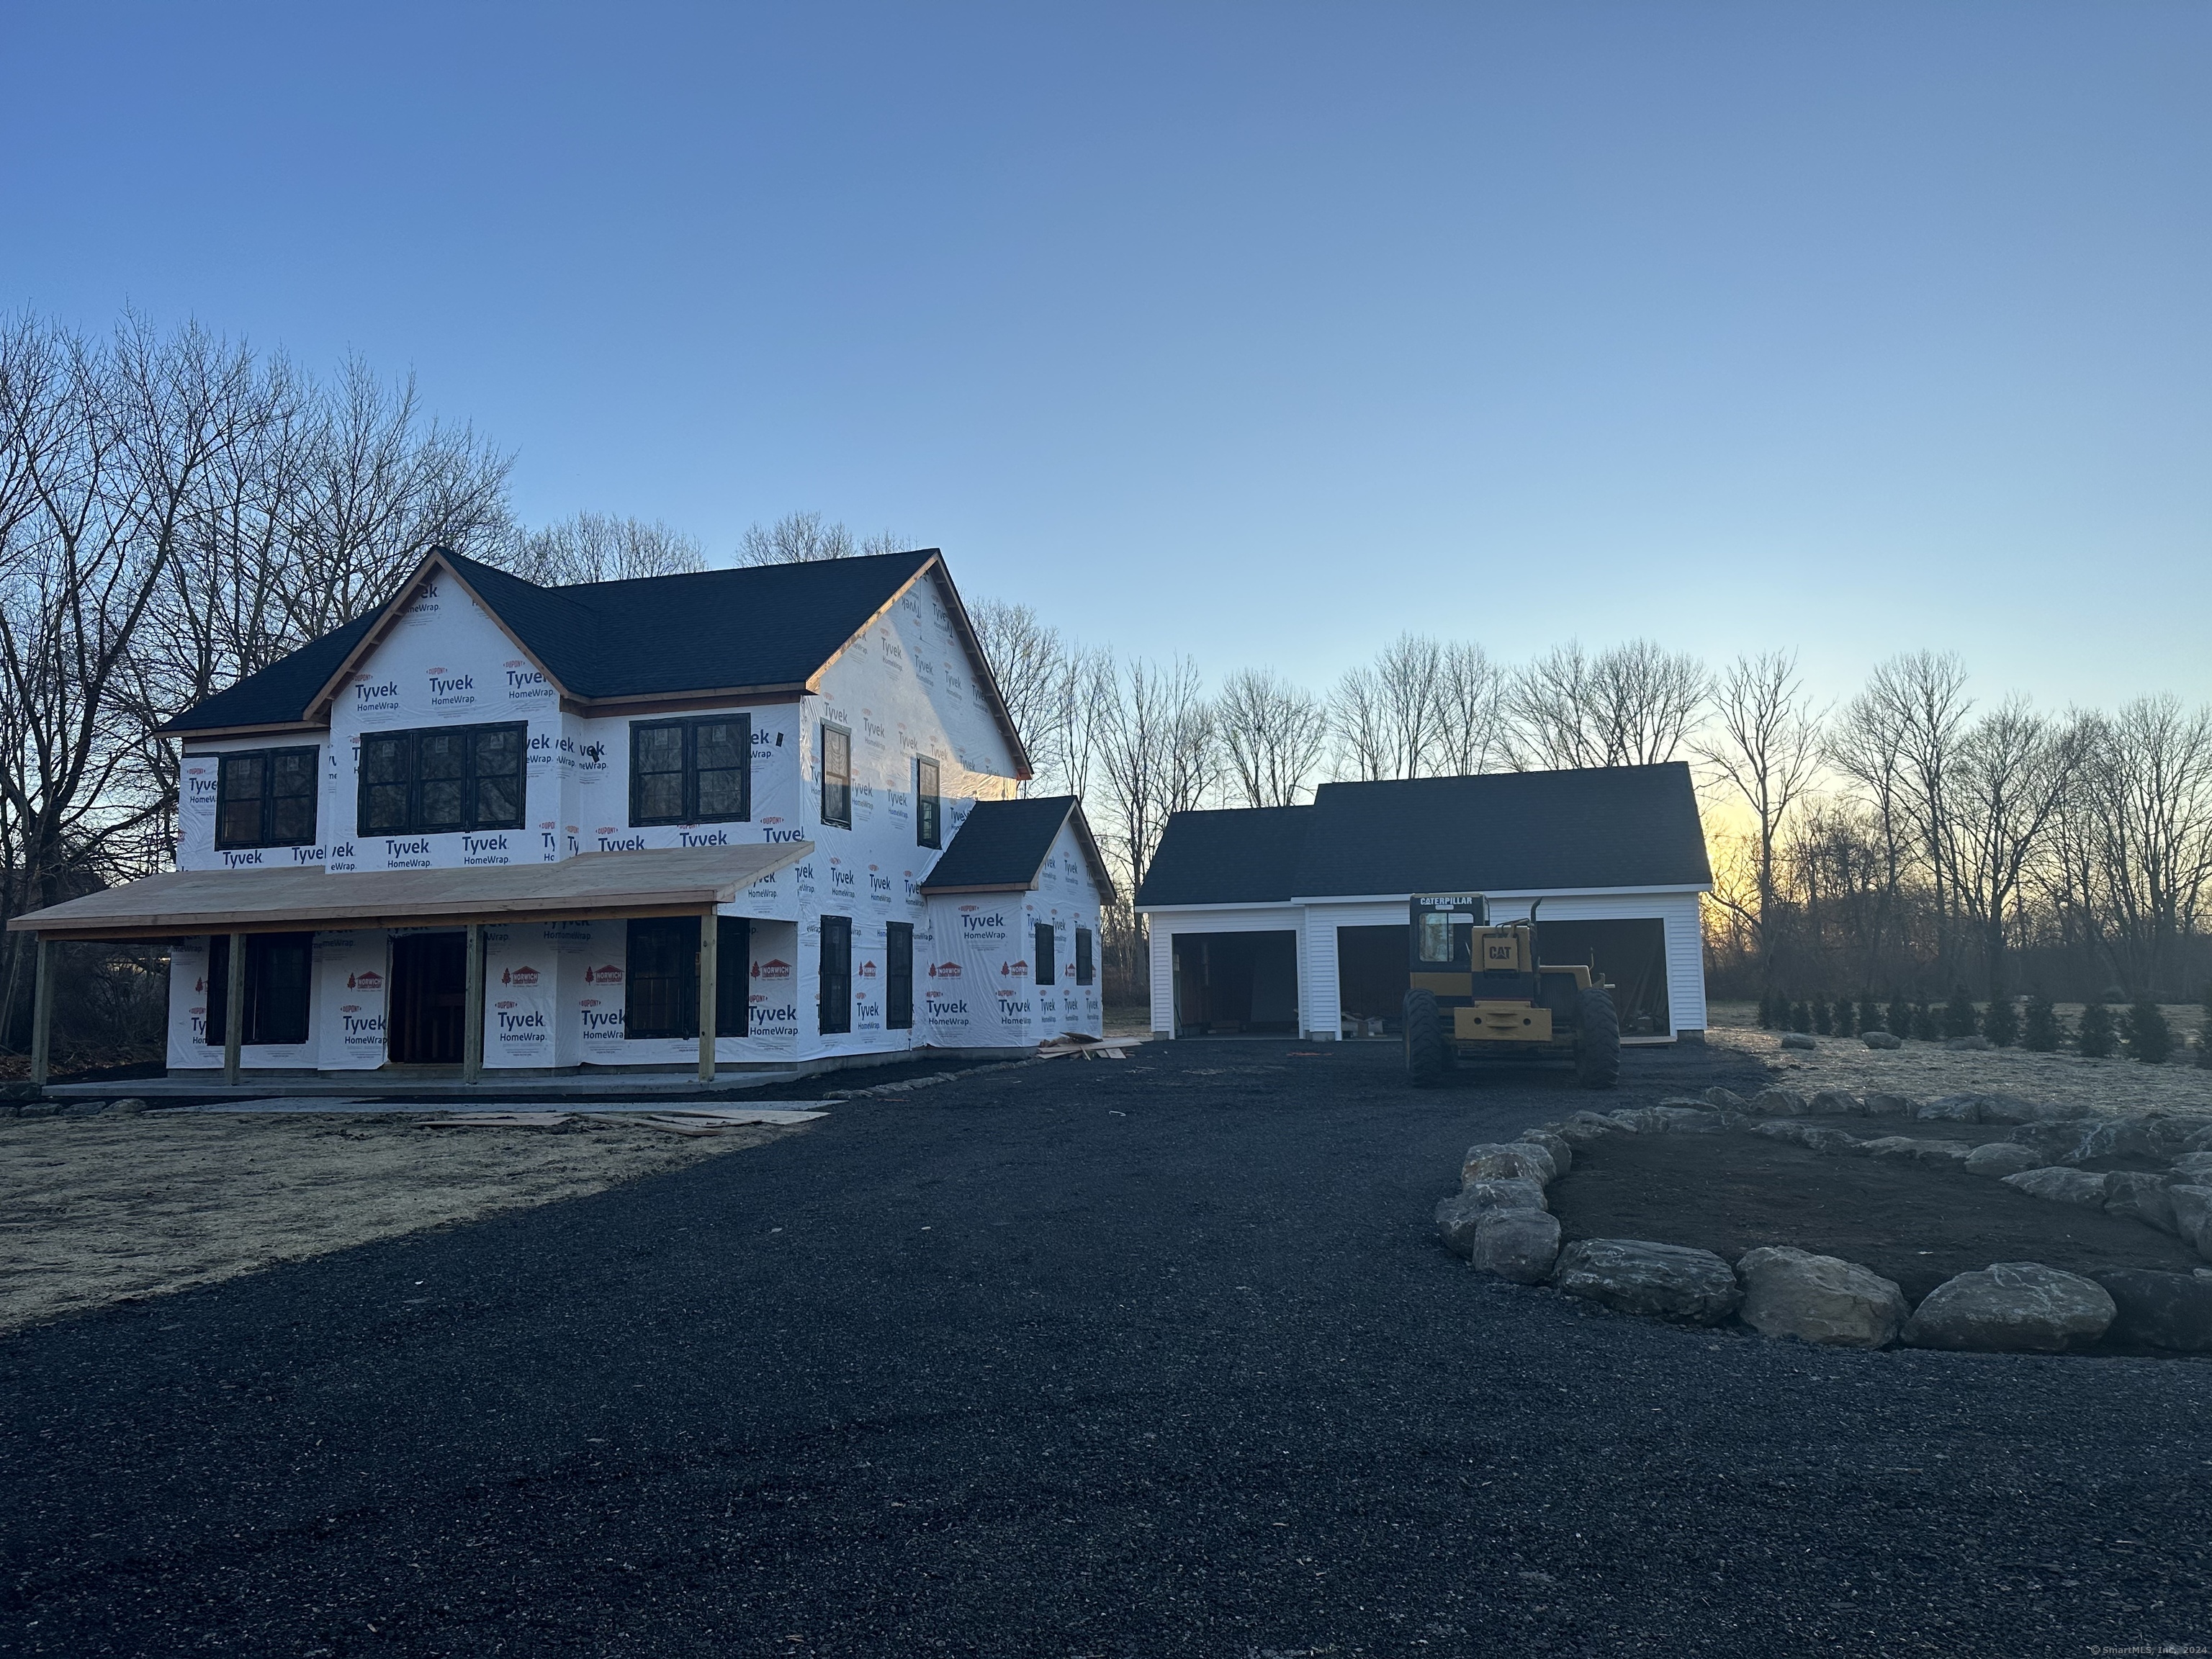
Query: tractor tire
(1597, 1040)
(1427, 1055)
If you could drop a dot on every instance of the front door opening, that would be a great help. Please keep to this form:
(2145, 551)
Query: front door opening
(1371, 980)
(426, 1023)
(1237, 984)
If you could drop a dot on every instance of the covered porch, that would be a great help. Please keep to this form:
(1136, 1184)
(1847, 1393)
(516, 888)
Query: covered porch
(243, 913)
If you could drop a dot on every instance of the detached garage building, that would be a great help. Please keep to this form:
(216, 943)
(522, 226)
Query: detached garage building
(1290, 920)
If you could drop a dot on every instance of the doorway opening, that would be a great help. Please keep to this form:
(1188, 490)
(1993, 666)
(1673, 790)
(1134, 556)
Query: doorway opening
(1372, 978)
(425, 1020)
(1631, 954)
(1237, 984)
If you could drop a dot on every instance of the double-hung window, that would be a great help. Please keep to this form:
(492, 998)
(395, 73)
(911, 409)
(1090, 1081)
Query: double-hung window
(265, 797)
(661, 978)
(1045, 972)
(836, 775)
(691, 771)
(441, 779)
(1085, 965)
(928, 804)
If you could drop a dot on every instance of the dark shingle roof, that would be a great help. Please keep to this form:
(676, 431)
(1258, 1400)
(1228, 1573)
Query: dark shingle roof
(712, 630)
(1617, 826)
(1004, 844)
(1246, 855)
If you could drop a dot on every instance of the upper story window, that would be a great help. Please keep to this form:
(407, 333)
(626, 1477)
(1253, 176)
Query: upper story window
(265, 797)
(442, 778)
(836, 775)
(691, 771)
(928, 805)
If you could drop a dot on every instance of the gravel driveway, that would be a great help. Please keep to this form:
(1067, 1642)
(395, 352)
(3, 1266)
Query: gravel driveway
(1138, 1358)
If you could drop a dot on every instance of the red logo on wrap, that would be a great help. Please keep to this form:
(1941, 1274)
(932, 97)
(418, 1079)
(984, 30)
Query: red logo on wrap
(518, 977)
(609, 974)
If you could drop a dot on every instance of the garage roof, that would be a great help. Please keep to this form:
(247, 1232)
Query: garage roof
(1002, 846)
(1599, 827)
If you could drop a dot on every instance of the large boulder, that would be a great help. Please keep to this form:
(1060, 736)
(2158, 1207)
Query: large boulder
(1798, 1040)
(2055, 1140)
(2193, 1217)
(1563, 1155)
(2000, 1158)
(1725, 1100)
(1458, 1216)
(2193, 1169)
(1818, 1136)
(1634, 1275)
(1498, 1160)
(1880, 1039)
(1819, 1298)
(2061, 1185)
(1584, 1128)
(2198, 1141)
(1951, 1109)
(2161, 1311)
(1890, 1105)
(2141, 1197)
(2155, 1136)
(1778, 1103)
(1836, 1103)
(2014, 1307)
(2011, 1108)
(1517, 1244)
(1941, 1154)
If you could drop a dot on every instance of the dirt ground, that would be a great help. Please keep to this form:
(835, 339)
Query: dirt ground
(99, 1210)
(1927, 1069)
(1732, 1193)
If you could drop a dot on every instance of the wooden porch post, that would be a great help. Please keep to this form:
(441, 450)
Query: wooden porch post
(42, 1014)
(710, 940)
(234, 1012)
(472, 1001)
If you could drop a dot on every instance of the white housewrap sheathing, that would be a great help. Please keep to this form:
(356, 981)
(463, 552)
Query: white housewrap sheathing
(904, 687)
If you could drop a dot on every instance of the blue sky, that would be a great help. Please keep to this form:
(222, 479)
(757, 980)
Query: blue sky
(1259, 334)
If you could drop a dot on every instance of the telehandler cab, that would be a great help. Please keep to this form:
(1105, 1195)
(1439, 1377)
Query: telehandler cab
(1480, 991)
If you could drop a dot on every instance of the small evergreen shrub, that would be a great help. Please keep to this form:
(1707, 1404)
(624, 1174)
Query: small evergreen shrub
(1824, 1019)
(1900, 1017)
(1766, 1010)
(2040, 1032)
(2150, 1038)
(2001, 1021)
(2204, 1031)
(1925, 1024)
(2096, 1039)
(1801, 1018)
(1959, 1014)
(1869, 1014)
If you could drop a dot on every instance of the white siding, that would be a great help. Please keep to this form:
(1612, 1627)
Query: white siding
(1321, 1006)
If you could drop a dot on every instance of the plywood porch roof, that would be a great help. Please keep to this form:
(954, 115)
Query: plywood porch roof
(677, 881)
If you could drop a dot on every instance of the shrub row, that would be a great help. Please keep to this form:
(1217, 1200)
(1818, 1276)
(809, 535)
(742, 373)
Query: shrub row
(2142, 1030)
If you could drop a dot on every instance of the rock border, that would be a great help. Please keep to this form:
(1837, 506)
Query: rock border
(1500, 1223)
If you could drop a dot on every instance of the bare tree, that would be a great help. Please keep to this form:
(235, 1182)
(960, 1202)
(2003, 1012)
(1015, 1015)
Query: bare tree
(1027, 660)
(1157, 753)
(598, 547)
(1272, 734)
(1358, 715)
(1633, 705)
(809, 537)
(1472, 727)
(2006, 791)
(1922, 707)
(2146, 815)
(1765, 749)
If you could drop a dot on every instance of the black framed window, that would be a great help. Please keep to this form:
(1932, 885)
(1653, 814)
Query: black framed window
(836, 775)
(1086, 969)
(279, 968)
(660, 979)
(1043, 953)
(265, 797)
(442, 778)
(898, 976)
(691, 771)
(836, 1011)
(928, 805)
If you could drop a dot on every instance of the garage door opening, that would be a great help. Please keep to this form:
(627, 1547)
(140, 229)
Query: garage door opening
(1237, 984)
(1372, 978)
(1632, 955)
